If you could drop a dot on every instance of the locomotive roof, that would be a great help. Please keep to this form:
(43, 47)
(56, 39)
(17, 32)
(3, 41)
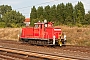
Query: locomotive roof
(44, 23)
(39, 23)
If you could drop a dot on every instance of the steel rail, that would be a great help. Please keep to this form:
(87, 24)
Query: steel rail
(37, 54)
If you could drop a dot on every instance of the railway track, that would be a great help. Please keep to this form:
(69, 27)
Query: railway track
(82, 49)
(79, 52)
(41, 55)
(9, 54)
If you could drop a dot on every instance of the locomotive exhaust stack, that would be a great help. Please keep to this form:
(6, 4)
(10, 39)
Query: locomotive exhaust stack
(43, 33)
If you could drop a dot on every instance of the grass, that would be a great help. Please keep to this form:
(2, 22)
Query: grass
(9, 33)
(75, 35)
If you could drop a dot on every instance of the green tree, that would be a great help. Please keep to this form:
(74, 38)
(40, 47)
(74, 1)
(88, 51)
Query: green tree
(79, 12)
(59, 14)
(87, 18)
(47, 12)
(13, 19)
(69, 14)
(33, 15)
(40, 12)
(0, 18)
(53, 13)
(62, 13)
(4, 9)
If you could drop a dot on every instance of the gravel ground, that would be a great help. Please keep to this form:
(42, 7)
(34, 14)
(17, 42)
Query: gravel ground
(62, 51)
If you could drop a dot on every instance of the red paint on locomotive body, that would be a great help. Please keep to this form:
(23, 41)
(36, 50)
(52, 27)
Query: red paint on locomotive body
(42, 31)
(39, 31)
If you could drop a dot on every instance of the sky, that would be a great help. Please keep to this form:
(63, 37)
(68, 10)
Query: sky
(24, 6)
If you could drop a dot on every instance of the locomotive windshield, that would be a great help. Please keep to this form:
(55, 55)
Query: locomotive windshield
(36, 26)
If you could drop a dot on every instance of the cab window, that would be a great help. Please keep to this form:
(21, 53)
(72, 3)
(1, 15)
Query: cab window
(36, 26)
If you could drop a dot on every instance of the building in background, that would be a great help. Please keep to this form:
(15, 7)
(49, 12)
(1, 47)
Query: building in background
(27, 21)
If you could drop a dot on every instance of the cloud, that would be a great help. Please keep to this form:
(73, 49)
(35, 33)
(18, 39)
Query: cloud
(17, 4)
(9, 2)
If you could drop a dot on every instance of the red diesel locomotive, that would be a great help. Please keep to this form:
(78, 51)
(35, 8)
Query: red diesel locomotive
(42, 34)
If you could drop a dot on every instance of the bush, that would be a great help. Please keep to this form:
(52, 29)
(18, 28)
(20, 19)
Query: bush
(2, 24)
(79, 25)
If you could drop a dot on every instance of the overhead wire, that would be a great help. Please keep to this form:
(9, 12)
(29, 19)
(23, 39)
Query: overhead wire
(37, 4)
